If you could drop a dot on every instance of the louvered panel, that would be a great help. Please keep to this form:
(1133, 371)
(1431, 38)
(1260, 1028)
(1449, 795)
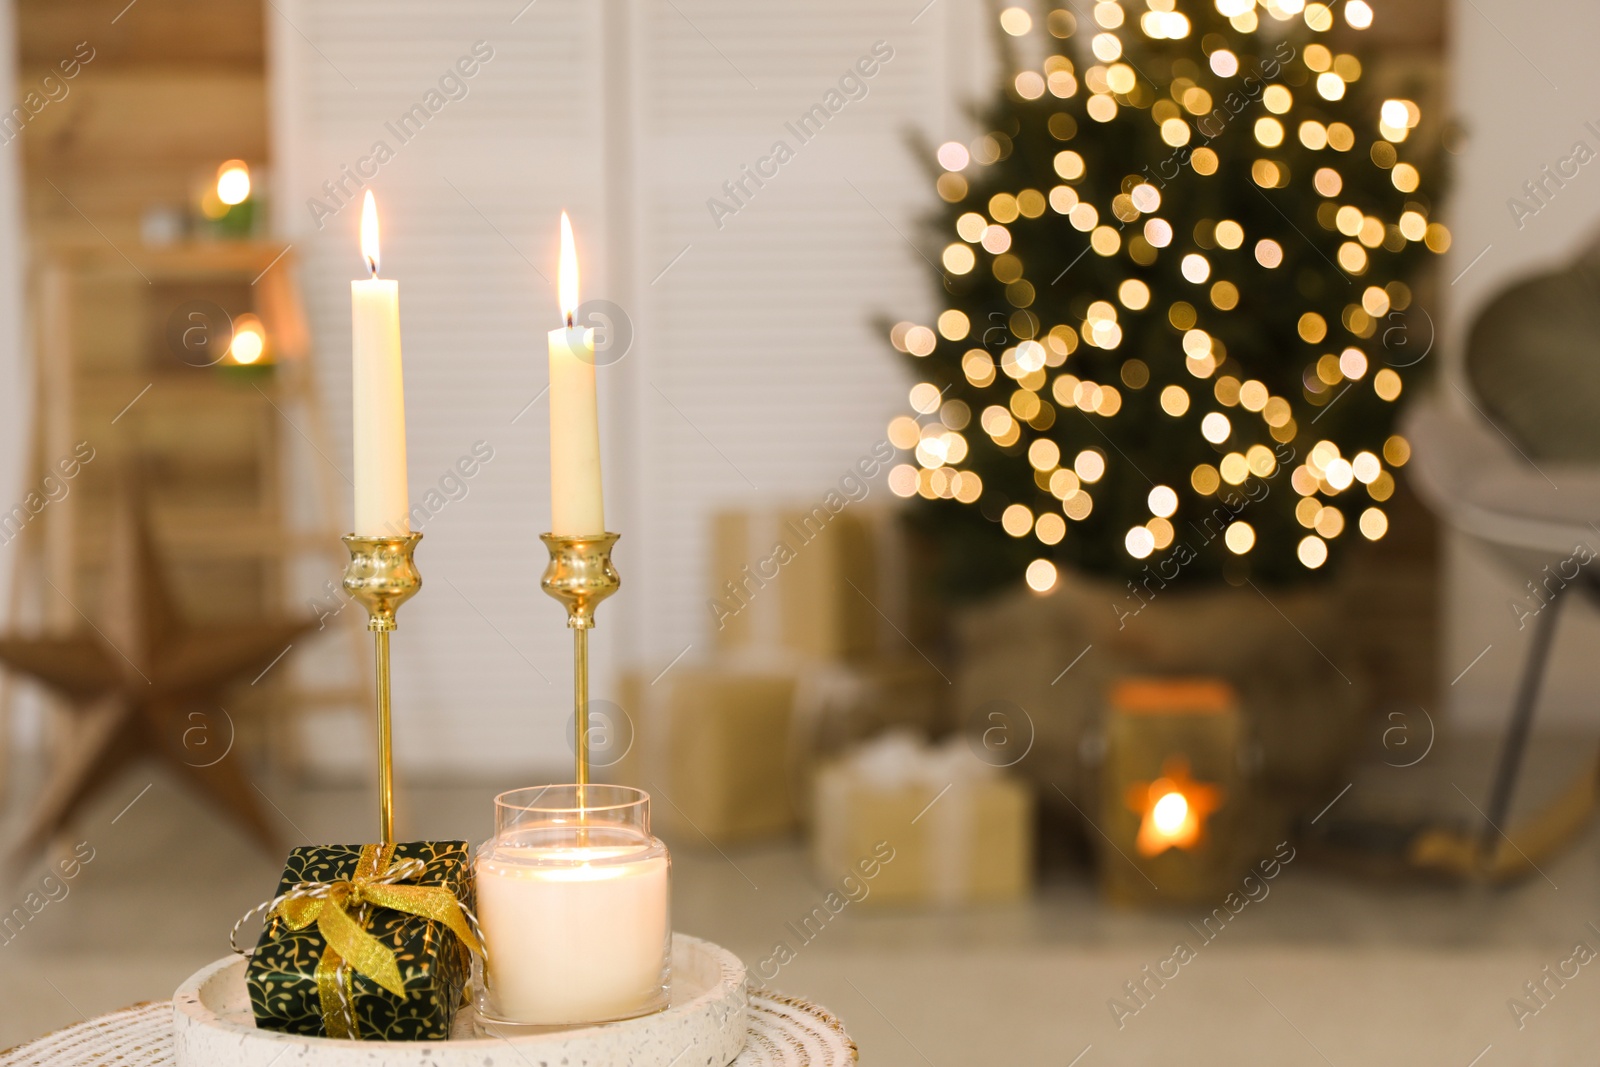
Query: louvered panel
(760, 334)
(784, 391)
(716, 68)
(375, 59)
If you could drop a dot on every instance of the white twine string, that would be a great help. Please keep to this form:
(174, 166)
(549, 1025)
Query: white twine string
(403, 871)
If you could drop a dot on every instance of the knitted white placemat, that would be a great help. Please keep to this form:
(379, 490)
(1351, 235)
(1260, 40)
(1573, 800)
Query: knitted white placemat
(783, 1032)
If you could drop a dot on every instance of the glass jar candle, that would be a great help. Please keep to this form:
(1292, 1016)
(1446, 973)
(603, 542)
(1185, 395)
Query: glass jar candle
(573, 898)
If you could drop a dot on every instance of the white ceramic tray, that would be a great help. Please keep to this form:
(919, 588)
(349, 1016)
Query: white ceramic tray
(704, 1026)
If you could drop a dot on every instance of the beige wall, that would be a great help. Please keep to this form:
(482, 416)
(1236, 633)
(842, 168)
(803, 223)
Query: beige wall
(1526, 80)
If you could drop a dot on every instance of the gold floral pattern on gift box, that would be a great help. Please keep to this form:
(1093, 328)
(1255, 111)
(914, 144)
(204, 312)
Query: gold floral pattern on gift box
(433, 963)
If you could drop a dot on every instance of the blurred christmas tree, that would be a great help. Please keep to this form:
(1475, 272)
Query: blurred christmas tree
(1173, 261)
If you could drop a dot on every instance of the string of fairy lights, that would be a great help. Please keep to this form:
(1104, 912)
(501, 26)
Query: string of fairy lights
(1032, 378)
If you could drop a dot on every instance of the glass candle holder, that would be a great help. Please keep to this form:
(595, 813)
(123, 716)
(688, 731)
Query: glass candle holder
(574, 903)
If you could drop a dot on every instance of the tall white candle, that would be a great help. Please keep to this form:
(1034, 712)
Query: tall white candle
(576, 508)
(378, 390)
(575, 934)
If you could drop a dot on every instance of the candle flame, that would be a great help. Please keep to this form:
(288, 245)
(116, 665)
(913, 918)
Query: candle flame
(567, 280)
(1172, 809)
(369, 232)
(1170, 813)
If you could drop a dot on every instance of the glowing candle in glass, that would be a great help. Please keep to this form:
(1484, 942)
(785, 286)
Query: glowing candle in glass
(573, 898)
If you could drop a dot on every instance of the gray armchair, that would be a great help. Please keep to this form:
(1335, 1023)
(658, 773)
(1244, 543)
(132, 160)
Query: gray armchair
(1512, 460)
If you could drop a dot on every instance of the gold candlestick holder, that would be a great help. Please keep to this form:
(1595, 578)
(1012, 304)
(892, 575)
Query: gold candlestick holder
(381, 576)
(580, 575)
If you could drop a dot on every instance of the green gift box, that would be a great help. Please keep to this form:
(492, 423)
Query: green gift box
(366, 942)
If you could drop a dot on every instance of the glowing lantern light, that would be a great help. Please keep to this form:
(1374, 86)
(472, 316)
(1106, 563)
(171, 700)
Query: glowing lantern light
(249, 340)
(1172, 809)
(233, 182)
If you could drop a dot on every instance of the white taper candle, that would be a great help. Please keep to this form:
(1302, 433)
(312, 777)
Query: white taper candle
(378, 392)
(576, 506)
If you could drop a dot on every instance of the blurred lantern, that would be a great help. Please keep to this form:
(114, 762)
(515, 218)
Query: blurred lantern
(226, 203)
(233, 182)
(1171, 791)
(249, 347)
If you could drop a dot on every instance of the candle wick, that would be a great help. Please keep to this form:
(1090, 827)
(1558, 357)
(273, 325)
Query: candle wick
(372, 266)
(569, 320)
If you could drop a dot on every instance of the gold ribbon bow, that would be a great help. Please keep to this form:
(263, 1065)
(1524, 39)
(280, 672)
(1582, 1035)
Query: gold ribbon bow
(339, 910)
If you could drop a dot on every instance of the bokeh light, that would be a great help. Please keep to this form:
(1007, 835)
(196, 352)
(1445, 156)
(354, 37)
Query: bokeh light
(233, 182)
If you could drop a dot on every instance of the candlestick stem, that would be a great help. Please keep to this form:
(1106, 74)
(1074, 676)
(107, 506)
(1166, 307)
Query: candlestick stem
(380, 641)
(381, 576)
(580, 575)
(580, 705)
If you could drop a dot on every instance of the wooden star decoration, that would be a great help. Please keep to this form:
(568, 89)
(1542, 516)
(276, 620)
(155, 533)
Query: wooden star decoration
(1172, 809)
(138, 679)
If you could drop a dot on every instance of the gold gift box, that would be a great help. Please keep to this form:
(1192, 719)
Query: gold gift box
(713, 745)
(960, 833)
(809, 582)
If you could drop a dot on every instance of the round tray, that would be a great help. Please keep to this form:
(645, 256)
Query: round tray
(213, 1025)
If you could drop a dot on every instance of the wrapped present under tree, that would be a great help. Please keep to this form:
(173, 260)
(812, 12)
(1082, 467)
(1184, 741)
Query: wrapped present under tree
(960, 831)
(713, 745)
(732, 750)
(809, 583)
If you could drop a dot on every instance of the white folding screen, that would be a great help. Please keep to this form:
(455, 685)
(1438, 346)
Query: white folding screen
(779, 239)
(754, 374)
